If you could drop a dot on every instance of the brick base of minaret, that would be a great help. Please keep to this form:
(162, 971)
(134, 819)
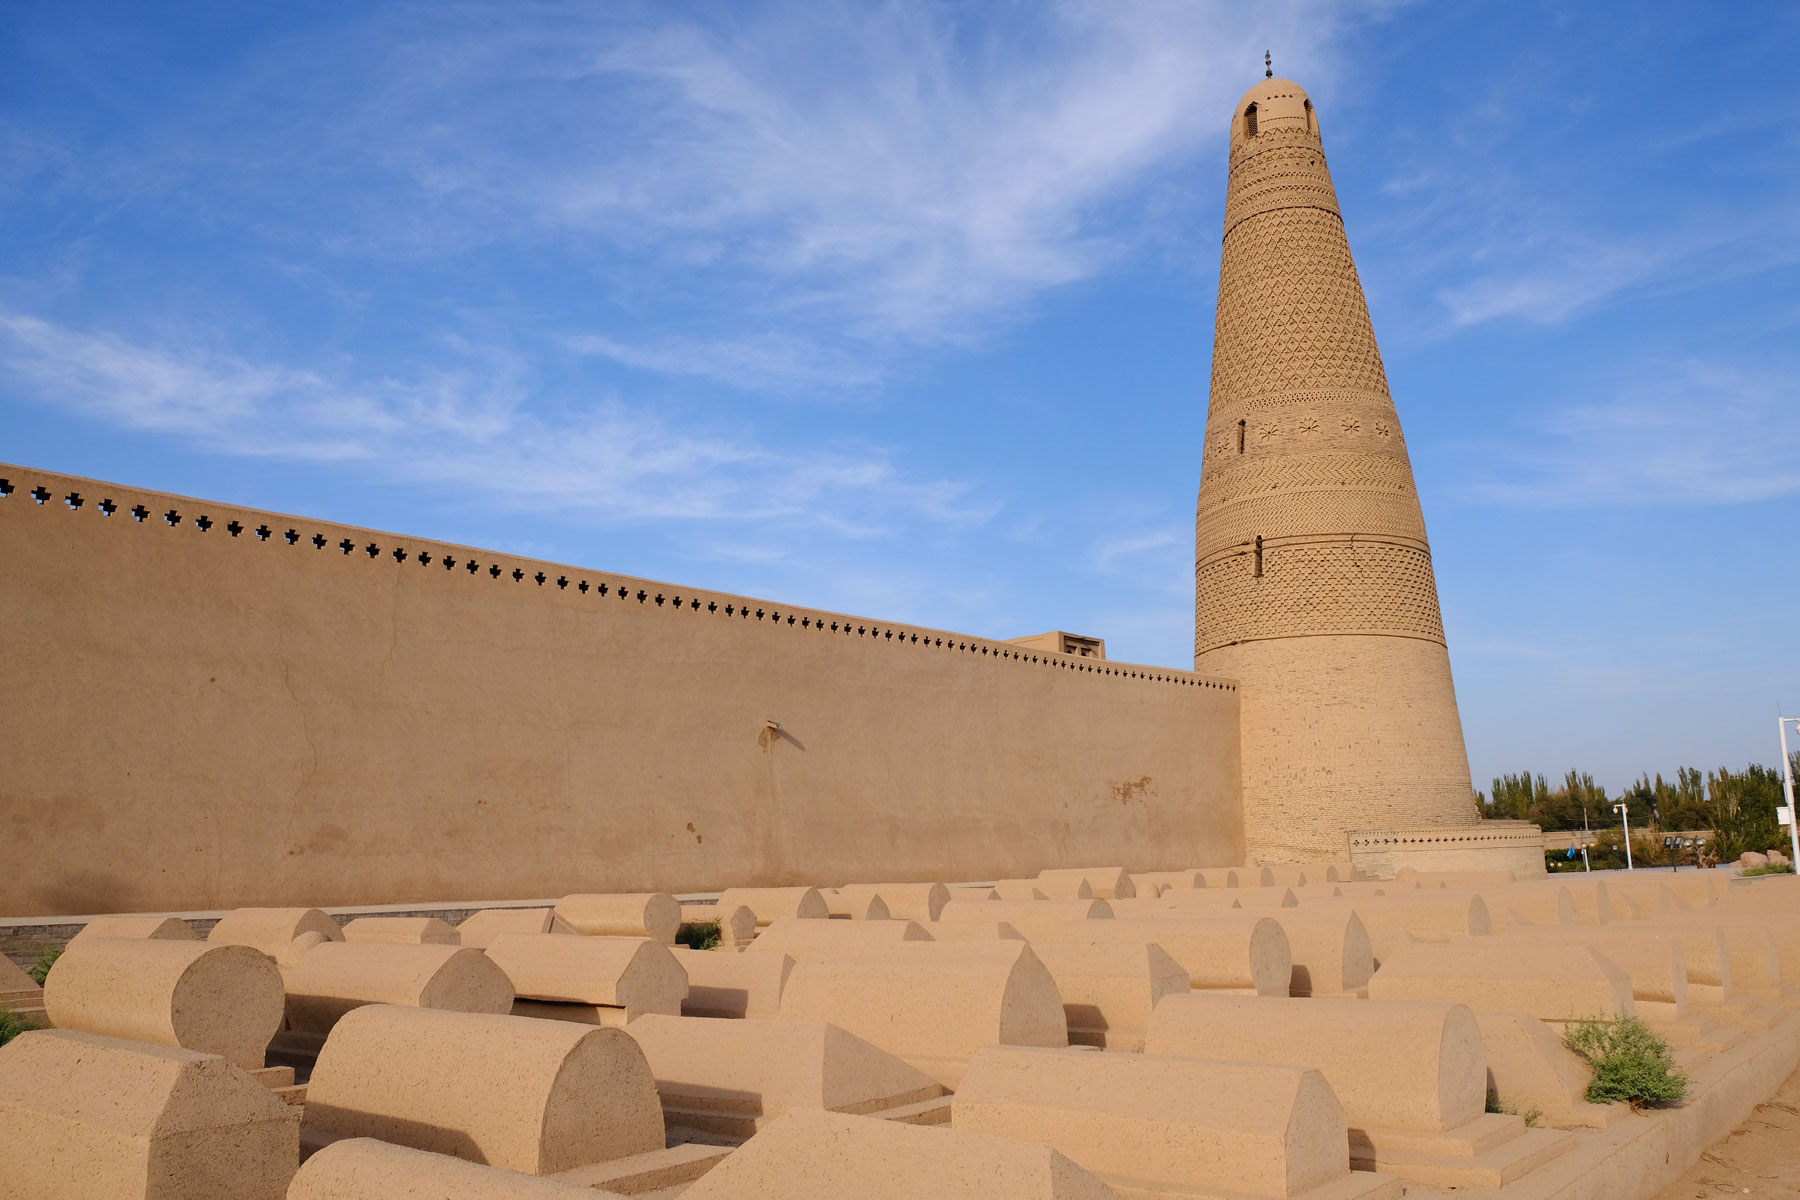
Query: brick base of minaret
(1320, 758)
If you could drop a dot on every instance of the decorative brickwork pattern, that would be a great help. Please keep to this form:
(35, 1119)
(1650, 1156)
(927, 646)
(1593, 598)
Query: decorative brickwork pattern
(1318, 586)
(1308, 535)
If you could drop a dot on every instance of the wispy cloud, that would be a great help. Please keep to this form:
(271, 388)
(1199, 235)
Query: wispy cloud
(910, 172)
(1672, 433)
(768, 362)
(468, 426)
(1548, 286)
(1115, 552)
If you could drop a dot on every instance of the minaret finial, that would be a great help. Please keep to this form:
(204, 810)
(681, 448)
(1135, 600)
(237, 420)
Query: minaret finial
(1268, 67)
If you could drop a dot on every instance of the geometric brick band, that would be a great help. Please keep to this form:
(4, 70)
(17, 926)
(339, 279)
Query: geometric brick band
(1303, 587)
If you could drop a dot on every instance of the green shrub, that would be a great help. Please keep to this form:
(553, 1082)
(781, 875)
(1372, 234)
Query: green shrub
(40, 970)
(1630, 1062)
(12, 1025)
(701, 935)
(1495, 1104)
(1771, 869)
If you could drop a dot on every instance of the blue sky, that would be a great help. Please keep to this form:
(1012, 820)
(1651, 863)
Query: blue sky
(906, 309)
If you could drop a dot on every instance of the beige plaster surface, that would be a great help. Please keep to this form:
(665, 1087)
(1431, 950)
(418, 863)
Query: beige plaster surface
(224, 1000)
(772, 903)
(1752, 950)
(1178, 1123)
(1033, 918)
(1454, 879)
(733, 985)
(1396, 919)
(730, 1076)
(1151, 883)
(807, 940)
(413, 931)
(1109, 989)
(933, 1003)
(1229, 952)
(88, 1117)
(133, 925)
(637, 974)
(272, 929)
(856, 906)
(1703, 948)
(1331, 951)
(1547, 904)
(920, 902)
(531, 1096)
(13, 978)
(1208, 902)
(1662, 891)
(1103, 883)
(367, 1169)
(481, 928)
(351, 758)
(972, 892)
(828, 1156)
(1782, 928)
(973, 931)
(1553, 983)
(654, 915)
(1393, 1064)
(332, 979)
(1651, 956)
(1028, 889)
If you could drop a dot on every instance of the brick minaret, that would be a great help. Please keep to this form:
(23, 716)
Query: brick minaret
(1313, 581)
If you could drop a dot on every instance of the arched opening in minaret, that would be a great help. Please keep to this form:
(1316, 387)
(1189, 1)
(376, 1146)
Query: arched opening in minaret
(1241, 425)
(1309, 117)
(1258, 570)
(1250, 121)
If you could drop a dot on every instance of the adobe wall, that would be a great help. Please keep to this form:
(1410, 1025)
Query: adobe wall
(199, 716)
(1516, 846)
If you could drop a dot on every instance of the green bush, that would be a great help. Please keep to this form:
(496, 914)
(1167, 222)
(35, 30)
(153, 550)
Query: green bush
(701, 935)
(1771, 869)
(1630, 1062)
(12, 1025)
(1495, 1104)
(40, 970)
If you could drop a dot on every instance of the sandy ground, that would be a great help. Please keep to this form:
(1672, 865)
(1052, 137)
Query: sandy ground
(1761, 1157)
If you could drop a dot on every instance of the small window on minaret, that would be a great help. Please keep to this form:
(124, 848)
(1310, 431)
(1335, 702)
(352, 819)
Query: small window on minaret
(1258, 571)
(1309, 119)
(1250, 121)
(1240, 437)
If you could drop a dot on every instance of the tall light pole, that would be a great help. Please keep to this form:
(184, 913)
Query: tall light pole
(1625, 816)
(1787, 787)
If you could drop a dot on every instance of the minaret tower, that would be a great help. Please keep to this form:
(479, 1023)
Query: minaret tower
(1312, 576)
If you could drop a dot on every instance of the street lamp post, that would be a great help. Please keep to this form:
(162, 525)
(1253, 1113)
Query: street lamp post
(1787, 788)
(1625, 816)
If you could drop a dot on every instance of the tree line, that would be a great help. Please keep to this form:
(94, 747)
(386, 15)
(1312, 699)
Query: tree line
(1738, 806)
